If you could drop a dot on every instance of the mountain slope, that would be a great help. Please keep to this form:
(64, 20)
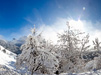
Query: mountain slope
(7, 62)
(7, 58)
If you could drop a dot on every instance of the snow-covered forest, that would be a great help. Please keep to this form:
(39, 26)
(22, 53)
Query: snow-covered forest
(50, 37)
(72, 55)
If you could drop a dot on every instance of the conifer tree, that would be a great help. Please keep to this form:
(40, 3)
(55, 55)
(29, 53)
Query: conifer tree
(36, 56)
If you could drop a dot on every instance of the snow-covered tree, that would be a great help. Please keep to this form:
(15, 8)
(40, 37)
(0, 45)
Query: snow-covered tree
(36, 56)
(72, 45)
(96, 44)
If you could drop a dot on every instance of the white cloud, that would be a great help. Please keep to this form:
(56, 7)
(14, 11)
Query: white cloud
(50, 31)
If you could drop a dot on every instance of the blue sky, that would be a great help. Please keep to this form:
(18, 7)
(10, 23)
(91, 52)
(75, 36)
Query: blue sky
(17, 16)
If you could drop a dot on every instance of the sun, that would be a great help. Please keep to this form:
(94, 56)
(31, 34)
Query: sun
(77, 24)
(84, 8)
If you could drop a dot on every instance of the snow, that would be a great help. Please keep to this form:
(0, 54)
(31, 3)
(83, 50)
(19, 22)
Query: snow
(98, 72)
(7, 62)
(36, 56)
(7, 58)
(7, 71)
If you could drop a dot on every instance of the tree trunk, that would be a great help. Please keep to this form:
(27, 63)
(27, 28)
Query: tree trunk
(35, 69)
(32, 71)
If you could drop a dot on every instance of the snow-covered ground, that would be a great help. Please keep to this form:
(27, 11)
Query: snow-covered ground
(7, 62)
(7, 58)
(98, 72)
(7, 71)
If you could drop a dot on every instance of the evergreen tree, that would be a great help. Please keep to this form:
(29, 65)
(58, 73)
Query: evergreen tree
(36, 56)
